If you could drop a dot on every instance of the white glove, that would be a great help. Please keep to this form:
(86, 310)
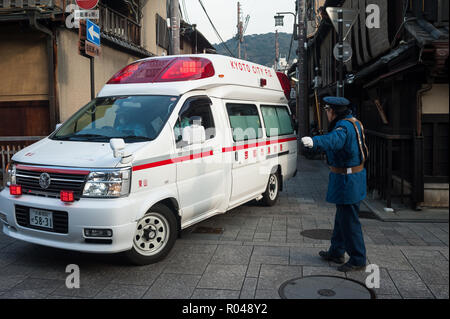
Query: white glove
(308, 142)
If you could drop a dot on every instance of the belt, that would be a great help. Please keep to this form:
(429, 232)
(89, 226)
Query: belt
(347, 171)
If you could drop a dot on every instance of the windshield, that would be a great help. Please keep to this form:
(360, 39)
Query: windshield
(133, 118)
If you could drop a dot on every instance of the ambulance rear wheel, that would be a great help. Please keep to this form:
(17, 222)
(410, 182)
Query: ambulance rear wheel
(270, 196)
(154, 236)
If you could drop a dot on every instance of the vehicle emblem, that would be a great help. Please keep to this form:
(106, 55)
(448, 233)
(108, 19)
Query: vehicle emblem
(44, 181)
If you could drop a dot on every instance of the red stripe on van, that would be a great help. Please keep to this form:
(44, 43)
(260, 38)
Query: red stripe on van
(173, 161)
(210, 153)
(258, 144)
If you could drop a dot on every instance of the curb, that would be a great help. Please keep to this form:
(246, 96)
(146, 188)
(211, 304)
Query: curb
(397, 217)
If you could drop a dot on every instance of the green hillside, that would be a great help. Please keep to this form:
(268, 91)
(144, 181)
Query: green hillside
(261, 48)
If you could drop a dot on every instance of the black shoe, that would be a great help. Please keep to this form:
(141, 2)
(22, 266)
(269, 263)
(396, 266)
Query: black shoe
(326, 255)
(347, 267)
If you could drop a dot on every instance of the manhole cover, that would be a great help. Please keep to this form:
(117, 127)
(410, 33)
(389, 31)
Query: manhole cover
(327, 292)
(320, 234)
(207, 230)
(324, 287)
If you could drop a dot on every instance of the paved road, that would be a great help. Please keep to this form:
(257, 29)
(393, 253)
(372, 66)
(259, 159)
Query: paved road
(259, 249)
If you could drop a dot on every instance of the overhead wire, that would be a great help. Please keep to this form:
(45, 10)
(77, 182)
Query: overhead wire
(185, 11)
(215, 30)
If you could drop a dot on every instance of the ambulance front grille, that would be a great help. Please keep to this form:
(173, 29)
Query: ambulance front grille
(29, 180)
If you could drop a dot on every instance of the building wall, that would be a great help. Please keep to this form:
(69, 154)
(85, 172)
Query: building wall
(436, 100)
(149, 10)
(73, 72)
(23, 59)
(24, 105)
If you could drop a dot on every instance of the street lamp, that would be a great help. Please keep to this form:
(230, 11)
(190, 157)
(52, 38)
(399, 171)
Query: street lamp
(279, 20)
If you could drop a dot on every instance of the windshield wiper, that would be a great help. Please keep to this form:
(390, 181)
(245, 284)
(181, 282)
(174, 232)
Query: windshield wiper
(83, 137)
(134, 138)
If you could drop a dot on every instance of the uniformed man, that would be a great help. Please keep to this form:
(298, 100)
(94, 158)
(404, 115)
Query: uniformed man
(346, 153)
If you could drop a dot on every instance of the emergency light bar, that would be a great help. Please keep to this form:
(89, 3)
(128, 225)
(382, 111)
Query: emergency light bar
(165, 70)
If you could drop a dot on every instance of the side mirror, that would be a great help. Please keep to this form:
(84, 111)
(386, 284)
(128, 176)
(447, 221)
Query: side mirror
(194, 134)
(118, 147)
(58, 126)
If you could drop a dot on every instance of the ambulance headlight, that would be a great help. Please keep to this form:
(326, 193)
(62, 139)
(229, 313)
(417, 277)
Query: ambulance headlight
(108, 184)
(11, 174)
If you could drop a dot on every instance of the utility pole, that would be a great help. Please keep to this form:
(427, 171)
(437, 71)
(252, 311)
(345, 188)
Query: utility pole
(240, 28)
(175, 27)
(277, 50)
(302, 94)
(340, 84)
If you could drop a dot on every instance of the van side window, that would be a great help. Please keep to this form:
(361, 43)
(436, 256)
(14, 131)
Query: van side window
(193, 108)
(244, 121)
(277, 120)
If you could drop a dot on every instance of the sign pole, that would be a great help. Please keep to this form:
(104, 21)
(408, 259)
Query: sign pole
(343, 20)
(92, 78)
(340, 84)
(302, 93)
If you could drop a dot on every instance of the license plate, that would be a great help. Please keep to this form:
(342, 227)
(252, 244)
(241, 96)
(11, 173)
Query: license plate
(41, 218)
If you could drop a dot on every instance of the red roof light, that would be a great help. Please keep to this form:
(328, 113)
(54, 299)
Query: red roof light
(263, 82)
(124, 74)
(164, 70)
(185, 69)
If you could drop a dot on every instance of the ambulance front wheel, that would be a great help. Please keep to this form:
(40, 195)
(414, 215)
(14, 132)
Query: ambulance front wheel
(154, 236)
(270, 196)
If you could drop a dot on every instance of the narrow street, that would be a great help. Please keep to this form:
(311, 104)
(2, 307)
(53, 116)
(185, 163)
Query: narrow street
(248, 253)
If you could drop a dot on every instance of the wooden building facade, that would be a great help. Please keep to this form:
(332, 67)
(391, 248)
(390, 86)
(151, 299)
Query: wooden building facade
(397, 81)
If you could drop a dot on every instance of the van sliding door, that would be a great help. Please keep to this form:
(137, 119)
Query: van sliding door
(248, 179)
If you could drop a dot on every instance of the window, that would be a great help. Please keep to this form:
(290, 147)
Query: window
(121, 19)
(162, 32)
(277, 120)
(133, 118)
(244, 121)
(194, 108)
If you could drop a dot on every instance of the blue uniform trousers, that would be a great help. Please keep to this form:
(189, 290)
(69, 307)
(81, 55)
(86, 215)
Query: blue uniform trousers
(348, 235)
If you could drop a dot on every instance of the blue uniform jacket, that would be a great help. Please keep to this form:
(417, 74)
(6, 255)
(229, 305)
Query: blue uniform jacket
(341, 147)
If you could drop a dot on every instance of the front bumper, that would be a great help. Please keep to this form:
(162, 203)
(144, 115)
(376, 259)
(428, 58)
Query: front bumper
(115, 214)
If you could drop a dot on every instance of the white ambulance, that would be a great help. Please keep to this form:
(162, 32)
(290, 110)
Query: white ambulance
(168, 142)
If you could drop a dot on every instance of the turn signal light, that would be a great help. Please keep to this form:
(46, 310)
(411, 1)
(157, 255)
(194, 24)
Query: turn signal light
(15, 190)
(67, 196)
